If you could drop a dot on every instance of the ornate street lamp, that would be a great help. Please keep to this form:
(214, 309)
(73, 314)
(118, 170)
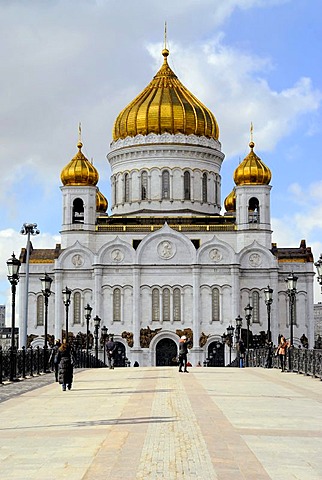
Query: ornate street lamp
(104, 335)
(230, 332)
(27, 229)
(248, 316)
(268, 300)
(318, 265)
(239, 322)
(66, 299)
(291, 282)
(13, 265)
(97, 322)
(88, 312)
(46, 282)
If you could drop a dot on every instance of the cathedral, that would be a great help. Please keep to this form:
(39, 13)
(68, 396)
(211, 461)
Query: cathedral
(170, 259)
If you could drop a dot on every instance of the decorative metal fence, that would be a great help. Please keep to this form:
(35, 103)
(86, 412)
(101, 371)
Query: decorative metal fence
(299, 360)
(28, 362)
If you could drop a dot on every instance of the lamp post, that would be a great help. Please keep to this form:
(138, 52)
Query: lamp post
(230, 332)
(248, 316)
(104, 335)
(66, 299)
(291, 282)
(27, 229)
(268, 300)
(13, 265)
(88, 311)
(97, 322)
(46, 282)
(318, 265)
(239, 322)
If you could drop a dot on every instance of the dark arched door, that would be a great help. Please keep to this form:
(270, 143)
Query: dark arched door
(166, 353)
(216, 355)
(120, 357)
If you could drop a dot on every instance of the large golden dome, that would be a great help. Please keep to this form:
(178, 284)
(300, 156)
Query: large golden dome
(165, 106)
(79, 170)
(252, 171)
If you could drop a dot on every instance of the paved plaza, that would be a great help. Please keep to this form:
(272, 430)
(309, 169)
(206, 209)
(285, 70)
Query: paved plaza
(156, 423)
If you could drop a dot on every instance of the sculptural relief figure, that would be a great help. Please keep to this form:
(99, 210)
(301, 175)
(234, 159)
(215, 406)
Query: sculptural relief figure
(146, 335)
(255, 259)
(215, 255)
(166, 249)
(128, 337)
(77, 260)
(117, 255)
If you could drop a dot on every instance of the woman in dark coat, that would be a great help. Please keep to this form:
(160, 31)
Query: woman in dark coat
(65, 369)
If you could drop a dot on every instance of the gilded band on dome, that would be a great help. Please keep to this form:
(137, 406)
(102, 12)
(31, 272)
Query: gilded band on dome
(252, 171)
(165, 106)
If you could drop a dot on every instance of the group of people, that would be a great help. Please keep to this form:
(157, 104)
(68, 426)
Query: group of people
(62, 359)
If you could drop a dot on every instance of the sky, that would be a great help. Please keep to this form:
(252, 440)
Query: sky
(65, 62)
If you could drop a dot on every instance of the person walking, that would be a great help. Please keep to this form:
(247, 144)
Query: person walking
(241, 350)
(65, 368)
(183, 352)
(53, 360)
(281, 352)
(110, 350)
(269, 355)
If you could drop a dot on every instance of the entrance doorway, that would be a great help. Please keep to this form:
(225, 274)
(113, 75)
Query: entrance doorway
(166, 353)
(120, 357)
(216, 355)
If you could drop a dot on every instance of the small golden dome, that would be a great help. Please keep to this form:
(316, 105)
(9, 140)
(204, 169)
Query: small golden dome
(165, 106)
(252, 171)
(101, 202)
(79, 170)
(230, 202)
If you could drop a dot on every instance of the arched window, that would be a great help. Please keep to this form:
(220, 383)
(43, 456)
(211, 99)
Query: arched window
(117, 305)
(186, 185)
(40, 311)
(78, 211)
(255, 305)
(177, 304)
(77, 308)
(253, 210)
(166, 305)
(204, 188)
(126, 187)
(165, 184)
(215, 305)
(155, 305)
(144, 185)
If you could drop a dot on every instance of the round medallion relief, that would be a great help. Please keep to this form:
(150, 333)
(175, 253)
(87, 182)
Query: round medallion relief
(117, 255)
(166, 249)
(215, 255)
(255, 259)
(77, 260)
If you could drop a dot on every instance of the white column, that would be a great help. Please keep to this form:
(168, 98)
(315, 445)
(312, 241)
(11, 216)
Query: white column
(196, 306)
(59, 306)
(136, 308)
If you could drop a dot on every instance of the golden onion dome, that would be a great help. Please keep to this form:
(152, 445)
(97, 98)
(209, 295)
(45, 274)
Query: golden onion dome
(101, 202)
(230, 202)
(79, 171)
(252, 171)
(165, 106)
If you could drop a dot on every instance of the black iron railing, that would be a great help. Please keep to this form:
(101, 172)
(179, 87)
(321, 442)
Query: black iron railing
(28, 362)
(299, 360)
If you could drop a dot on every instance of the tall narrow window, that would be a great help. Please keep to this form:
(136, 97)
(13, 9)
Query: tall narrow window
(165, 184)
(78, 211)
(77, 308)
(115, 190)
(40, 311)
(155, 305)
(117, 305)
(126, 187)
(204, 188)
(166, 304)
(144, 185)
(215, 305)
(253, 210)
(176, 304)
(255, 305)
(186, 185)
